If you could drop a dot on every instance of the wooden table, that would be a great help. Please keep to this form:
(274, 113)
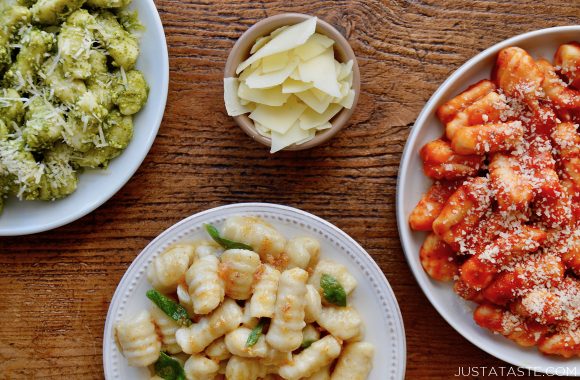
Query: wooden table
(56, 286)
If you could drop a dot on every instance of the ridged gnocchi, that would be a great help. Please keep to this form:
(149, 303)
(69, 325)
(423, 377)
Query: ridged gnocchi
(223, 309)
(68, 90)
(508, 232)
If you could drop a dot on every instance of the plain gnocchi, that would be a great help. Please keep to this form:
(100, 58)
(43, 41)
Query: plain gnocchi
(238, 312)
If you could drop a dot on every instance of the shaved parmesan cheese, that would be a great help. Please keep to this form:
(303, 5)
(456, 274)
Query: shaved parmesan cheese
(315, 46)
(293, 135)
(271, 79)
(264, 131)
(291, 86)
(275, 62)
(321, 72)
(312, 119)
(260, 42)
(231, 99)
(313, 102)
(324, 126)
(270, 96)
(296, 75)
(348, 100)
(288, 39)
(319, 94)
(279, 119)
(346, 69)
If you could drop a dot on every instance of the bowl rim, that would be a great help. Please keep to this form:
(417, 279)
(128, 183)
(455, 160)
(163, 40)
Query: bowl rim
(402, 224)
(340, 120)
(141, 260)
(154, 124)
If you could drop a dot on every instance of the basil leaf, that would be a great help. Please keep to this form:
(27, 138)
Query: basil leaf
(307, 343)
(168, 368)
(256, 333)
(174, 310)
(332, 290)
(227, 244)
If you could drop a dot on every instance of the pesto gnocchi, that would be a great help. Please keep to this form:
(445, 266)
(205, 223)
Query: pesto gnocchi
(68, 92)
(225, 310)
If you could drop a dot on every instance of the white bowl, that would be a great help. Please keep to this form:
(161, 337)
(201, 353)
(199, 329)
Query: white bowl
(412, 183)
(95, 187)
(373, 297)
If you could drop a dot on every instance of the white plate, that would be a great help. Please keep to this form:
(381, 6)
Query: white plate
(373, 297)
(412, 183)
(95, 187)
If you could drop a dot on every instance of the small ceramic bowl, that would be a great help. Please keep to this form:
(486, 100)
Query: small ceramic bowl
(342, 51)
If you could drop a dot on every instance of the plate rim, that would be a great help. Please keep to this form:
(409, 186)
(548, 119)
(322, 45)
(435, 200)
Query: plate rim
(155, 124)
(398, 323)
(402, 224)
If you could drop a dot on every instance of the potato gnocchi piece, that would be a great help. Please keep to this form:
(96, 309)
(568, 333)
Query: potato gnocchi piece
(121, 45)
(237, 269)
(198, 367)
(463, 211)
(236, 344)
(449, 110)
(355, 362)
(285, 333)
(320, 354)
(206, 287)
(75, 41)
(302, 252)
(430, 205)
(218, 350)
(524, 332)
(555, 89)
(480, 270)
(59, 178)
(138, 340)
(67, 89)
(134, 93)
(322, 374)
(438, 259)
(563, 343)
(313, 304)
(491, 108)
(12, 18)
(169, 268)
(487, 138)
(36, 45)
(258, 234)
(44, 124)
(537, 270)
(50, 12)
(263, 301)
(166, 328)
(244, 369)
(342, 322)
(440, 161)
(336, 270)
(567, 57)
(514, 190)
(195, 338)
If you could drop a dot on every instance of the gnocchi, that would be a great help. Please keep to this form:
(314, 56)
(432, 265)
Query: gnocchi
(507, 233)
(223, 309)
(67, 83)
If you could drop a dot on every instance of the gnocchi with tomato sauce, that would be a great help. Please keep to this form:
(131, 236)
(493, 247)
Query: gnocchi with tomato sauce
(68, 92)
(224, 309)
(502, 218)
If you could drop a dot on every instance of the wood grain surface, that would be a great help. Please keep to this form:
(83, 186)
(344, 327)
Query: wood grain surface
(56, 286)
